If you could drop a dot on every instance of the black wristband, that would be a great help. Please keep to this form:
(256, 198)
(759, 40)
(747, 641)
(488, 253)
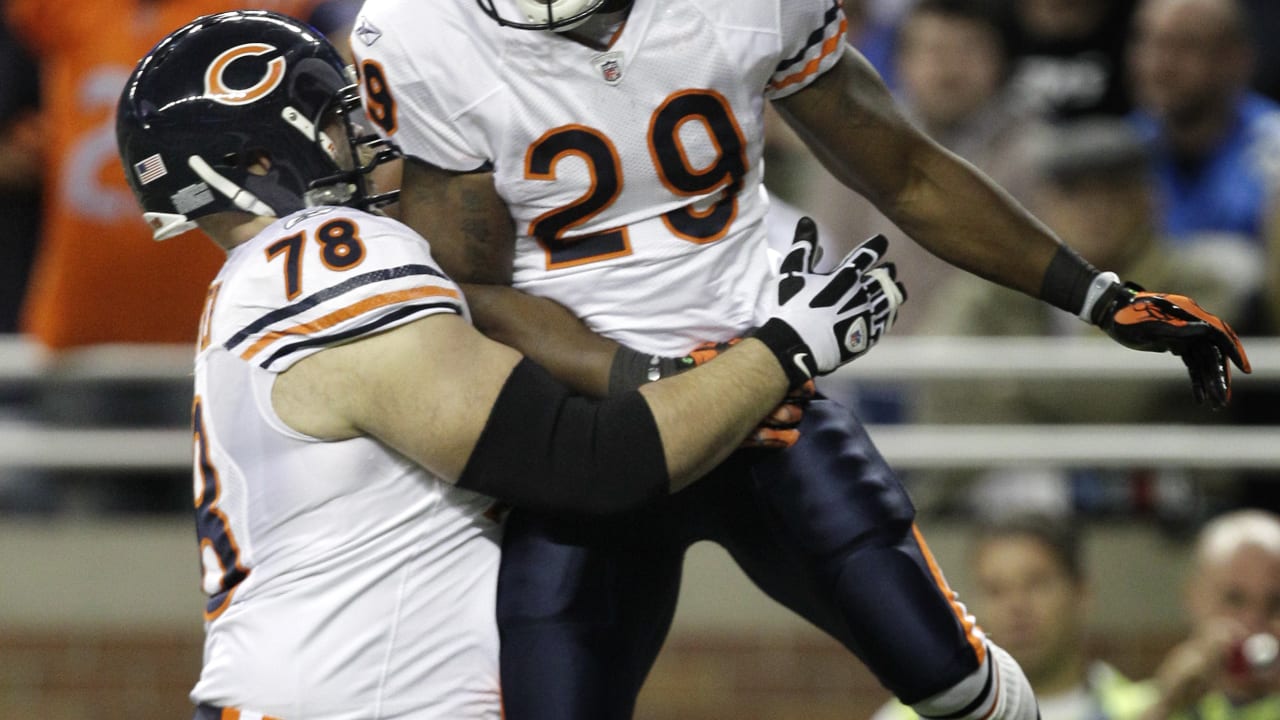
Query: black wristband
(1066, 281)
(790, 350)
(631, 369)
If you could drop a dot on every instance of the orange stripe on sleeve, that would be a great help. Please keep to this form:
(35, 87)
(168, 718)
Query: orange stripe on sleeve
(974, 641)
(347, 313)
(829, 46)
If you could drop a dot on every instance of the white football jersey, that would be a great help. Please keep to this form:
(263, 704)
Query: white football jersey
(344, 581)
(633, 174)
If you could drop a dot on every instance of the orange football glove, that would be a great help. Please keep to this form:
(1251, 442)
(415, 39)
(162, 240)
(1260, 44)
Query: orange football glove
(1162, 322)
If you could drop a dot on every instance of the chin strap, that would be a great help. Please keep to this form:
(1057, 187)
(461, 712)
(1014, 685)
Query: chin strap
(239, 197)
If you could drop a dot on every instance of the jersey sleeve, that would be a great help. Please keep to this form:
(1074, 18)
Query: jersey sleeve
(813, 40)
(409, 66)
(333, 278)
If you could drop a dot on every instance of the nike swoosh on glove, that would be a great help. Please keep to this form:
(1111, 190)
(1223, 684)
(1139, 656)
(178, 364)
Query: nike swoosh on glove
(825, 320)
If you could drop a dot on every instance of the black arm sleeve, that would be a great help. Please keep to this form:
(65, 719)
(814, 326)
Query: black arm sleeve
(546, 448)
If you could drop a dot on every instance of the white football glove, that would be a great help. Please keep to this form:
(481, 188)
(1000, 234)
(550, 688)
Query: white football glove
(826, 320)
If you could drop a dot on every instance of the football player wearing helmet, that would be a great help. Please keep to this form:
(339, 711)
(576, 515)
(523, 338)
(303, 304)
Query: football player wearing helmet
(615, 167)
(352, 430)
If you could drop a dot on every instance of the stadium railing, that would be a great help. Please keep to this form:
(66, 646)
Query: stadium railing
(898, 360)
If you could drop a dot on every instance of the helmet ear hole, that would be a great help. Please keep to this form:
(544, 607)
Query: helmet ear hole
(257, 162)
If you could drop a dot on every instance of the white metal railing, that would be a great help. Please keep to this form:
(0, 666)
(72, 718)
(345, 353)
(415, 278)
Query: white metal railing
(903, 359)
(909, 358)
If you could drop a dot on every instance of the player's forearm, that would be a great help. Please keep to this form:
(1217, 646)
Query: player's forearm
(546, 332)
(955, 212)
(702, 415)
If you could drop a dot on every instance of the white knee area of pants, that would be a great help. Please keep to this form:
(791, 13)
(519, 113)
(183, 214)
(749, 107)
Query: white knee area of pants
(1007, 696)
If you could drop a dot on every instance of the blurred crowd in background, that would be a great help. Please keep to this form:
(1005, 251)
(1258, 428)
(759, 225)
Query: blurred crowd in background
(1146, 133)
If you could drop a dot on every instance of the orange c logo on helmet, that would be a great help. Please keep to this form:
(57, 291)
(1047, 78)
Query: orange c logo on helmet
(216, 89)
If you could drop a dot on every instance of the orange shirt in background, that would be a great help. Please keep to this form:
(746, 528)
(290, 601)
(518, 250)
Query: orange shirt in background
(98, 275)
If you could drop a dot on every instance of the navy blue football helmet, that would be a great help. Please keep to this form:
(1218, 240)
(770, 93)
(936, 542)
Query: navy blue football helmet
(233, 90)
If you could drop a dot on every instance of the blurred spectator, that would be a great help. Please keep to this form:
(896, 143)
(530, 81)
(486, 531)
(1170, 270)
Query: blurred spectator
(872, 26)
(20, 174)
(952, 64)
(1217, 144)
(98, 277)
(1232, 594)
(1068, 55)
(1033, 597)
(1097, 193)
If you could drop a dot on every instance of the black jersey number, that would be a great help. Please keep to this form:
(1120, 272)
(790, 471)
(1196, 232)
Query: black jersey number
(722, 176)
(340, 249)
(220, 566)
(378, 101)
(601, 158)
(719, 180)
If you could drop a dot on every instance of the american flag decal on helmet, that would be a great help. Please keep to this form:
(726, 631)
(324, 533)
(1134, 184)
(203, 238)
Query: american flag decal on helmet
(150, 169)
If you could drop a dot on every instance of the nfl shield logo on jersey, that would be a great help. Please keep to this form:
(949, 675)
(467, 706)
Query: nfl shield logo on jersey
(610, 66)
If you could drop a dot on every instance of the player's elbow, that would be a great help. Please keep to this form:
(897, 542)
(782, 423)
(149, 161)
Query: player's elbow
(546, 449)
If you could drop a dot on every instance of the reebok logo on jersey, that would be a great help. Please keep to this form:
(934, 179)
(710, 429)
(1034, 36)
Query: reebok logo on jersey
(366, 32)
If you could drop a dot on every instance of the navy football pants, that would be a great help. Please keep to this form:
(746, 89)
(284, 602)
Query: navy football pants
(824, 528)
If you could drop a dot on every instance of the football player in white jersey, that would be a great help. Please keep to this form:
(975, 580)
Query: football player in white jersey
(352, 430)
(606, 155)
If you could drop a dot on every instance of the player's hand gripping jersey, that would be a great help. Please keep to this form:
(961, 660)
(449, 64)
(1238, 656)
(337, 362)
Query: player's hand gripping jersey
(369, 567)
(651, 231)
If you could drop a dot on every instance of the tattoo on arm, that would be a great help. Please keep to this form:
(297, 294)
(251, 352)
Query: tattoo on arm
(483, 252)
(464, 219)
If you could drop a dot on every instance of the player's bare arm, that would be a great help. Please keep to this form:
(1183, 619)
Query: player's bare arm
(546, 331)
(848, 119)
(850, 122)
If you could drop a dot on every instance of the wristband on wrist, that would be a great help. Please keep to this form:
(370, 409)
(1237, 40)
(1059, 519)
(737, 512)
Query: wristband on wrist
(791, 351)
(631, 369)
(1067, 282)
